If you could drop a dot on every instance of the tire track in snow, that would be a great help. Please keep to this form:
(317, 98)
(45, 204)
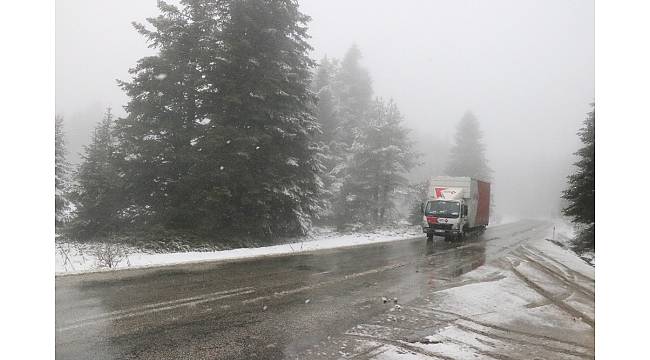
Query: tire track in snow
(561, 278)
(561, 304)
(503, 329)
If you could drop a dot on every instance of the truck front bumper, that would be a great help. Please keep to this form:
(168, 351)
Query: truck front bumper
(438, 231)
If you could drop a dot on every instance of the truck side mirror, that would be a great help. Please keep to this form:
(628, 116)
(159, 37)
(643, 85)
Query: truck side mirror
(422, 208)
(464, 210)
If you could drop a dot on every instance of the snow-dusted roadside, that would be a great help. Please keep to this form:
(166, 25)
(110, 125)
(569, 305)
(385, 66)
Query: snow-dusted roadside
(81, 258)
(564, 233)
(536, 302)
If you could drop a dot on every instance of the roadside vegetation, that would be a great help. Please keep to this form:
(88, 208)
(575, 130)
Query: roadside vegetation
(234, 135)
(581, 192)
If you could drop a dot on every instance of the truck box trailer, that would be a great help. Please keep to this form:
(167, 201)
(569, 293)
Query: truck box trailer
(455, 206)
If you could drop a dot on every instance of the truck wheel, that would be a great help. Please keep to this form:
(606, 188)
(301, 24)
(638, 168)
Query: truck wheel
(462, 234)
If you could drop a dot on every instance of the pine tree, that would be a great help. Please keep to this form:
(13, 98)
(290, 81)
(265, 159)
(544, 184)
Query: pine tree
(344, 96)
(467, 156)
(171, 94)
(382, 156)
(61, 169)
(352, 88)
(272, 174)
(220, 131)
(581, 193)
(326, 107)
(98, 193)
(333, 150)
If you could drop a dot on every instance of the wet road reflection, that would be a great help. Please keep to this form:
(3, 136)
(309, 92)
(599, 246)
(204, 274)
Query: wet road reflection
(269, 308)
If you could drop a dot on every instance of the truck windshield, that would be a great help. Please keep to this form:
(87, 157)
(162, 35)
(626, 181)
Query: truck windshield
(443, 209)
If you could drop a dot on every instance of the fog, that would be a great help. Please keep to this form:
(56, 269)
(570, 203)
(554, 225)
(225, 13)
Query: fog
(524, 68)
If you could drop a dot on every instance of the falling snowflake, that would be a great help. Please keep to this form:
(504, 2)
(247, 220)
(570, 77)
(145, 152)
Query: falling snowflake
(257, 148)
(227, 141)
(161, 76)
(221, 167)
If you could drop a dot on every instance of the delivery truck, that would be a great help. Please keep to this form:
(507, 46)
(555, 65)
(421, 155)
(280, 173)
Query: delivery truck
(455, 206)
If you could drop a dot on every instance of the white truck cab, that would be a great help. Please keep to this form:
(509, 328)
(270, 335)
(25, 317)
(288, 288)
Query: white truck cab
(445, 216)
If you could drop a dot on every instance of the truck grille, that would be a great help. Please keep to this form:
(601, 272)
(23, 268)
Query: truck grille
(440, 226)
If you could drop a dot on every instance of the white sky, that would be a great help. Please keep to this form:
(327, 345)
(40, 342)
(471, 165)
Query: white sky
(524, 67)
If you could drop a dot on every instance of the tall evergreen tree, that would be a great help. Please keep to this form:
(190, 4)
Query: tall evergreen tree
(98, 192)
(171, 94)
(467, 155)
(344, 96)
(581, 193)
(272, 169)
(220, 131)
(333, 150)
(353, 91)
(382, 156)
(61, 169)
(326, 107)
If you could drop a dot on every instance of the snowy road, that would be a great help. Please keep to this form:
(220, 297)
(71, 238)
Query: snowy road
(269, 308)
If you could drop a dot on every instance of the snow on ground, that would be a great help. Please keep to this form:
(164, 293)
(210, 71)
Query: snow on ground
(501, 315)
(80, 258)
(564, 233)
(536, 302)
(563, 228)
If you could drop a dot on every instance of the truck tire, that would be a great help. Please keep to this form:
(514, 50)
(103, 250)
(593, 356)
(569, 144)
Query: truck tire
(463, 233)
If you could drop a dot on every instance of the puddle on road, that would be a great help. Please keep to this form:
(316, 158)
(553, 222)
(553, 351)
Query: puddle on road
(450, 260)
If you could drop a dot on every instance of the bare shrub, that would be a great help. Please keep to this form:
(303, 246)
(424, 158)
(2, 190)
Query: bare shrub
(110, 255)
(64, 251)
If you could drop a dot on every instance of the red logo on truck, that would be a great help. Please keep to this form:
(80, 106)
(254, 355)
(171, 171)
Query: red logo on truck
(435, 220)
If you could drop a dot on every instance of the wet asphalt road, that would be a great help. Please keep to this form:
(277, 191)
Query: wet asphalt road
(265, 308)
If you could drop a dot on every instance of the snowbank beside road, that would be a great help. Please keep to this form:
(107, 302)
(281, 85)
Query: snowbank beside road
(535, 302)
(79, 258)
